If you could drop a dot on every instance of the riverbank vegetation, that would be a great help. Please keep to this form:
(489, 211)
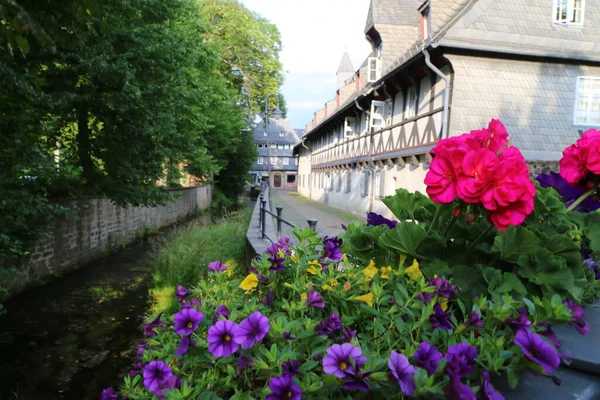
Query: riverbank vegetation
(184, 256)
(125, 99)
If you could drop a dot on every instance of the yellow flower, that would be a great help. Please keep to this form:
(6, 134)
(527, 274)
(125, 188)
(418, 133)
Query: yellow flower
(370, 271)
(414, 272)
(402, 259)
(367, 298)
(294, 258)
(249, 282)
(303, 297)
(334, 282)
(327, 287)
(347, 286)
(444, 303)
(385, 272)
(345, 258)
(311, 270)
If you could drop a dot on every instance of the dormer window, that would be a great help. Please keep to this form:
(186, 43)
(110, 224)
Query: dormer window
(373, 69)
(425, 22)
(568, 12)
(281, 134)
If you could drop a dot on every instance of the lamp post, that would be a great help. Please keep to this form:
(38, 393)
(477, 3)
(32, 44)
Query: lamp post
(277, 113)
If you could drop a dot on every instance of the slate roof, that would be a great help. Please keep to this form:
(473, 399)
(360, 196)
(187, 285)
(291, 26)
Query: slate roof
(276, 126)
(346, 64)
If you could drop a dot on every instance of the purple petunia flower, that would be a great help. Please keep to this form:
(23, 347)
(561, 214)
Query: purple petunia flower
(537, 350)
(342, 357)
(578, 316)
(194, 304)
(521, 322)
(403, 372)
(287, 335)
(374, 219)
(328, 326)
(427, 357)
(155, 323)
(187, 320)
(251, 330)
(184, 346)
(487, 391)
(425, 297)
(156, 373)
(142, 346)
(291, 367)
(568, 193)
(217, 266)
(474, 320)
(109, 394)
(331, 249)
(315, 300)
(220, 338)
(284, 245)
(460, 360)
(355, 379)
(276, 263)
(548, 333)
(440, 319)
(244, 362)
(284, 388)
(182, 293)
(172, 383)
(222, 311)
(443, 287)
(457, 390)
(347, 334)
(268, 301)
(593, 265)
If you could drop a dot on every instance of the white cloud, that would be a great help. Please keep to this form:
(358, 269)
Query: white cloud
(315, 34)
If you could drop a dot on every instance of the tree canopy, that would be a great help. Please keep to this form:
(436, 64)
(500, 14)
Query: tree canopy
(112, 97)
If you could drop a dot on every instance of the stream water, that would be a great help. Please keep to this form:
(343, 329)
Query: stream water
(77, 335)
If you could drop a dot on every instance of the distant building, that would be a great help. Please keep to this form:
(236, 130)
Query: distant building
(276, 161)
(439, 68)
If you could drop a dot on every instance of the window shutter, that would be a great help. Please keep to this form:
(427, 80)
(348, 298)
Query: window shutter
(349, 127)
(377, 110)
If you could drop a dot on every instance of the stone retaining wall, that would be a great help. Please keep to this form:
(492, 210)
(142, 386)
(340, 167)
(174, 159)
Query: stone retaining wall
(99, 227)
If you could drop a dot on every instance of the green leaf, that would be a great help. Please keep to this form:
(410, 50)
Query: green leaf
(509, 282)
(405, 238)
(513, 378)
(404, 203)
(515, 241)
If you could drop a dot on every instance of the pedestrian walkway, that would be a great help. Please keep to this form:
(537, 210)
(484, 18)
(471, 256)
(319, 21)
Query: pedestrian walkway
(298, 209)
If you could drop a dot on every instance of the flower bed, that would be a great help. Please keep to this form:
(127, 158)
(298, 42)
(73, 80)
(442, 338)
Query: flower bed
(465, 285)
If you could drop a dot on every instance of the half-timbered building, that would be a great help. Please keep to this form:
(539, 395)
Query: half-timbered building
(439, 68)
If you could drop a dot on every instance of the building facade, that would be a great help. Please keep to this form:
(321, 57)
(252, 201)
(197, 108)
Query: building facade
(439, 68)
(276, 162)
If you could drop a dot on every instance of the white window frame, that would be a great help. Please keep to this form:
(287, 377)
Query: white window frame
(273, 160)
(260, 160)
(410, 109)
(388, 112)
(286, 161)
(558, 6)
(348, 181)
(281, 134)
(273, 146)
(364, 183)
(373, 69)
(377, 116)
(378, 183)
(580, 95)
(296, 160)
(349, 127)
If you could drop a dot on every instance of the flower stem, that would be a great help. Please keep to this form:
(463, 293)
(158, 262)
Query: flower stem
(474, 242)
(581, 199)
(434, 221)
(449, 227)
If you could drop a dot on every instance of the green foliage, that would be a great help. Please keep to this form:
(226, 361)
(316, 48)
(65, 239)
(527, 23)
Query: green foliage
(184, 256)
(114, 97)
(541, 257)
(380, 301)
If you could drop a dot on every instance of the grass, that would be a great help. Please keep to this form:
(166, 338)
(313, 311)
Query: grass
(347, 216)
(183, 257)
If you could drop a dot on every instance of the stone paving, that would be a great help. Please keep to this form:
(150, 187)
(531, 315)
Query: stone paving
(297, 210)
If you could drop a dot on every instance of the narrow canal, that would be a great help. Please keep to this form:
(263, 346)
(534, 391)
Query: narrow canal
(77, 335)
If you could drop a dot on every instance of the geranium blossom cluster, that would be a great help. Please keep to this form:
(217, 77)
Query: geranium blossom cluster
(482, 169)
(580, 164)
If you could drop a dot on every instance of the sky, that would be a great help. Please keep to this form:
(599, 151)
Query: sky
(314, 34)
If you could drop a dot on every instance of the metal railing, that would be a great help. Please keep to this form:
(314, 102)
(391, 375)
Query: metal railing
(262, 219)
